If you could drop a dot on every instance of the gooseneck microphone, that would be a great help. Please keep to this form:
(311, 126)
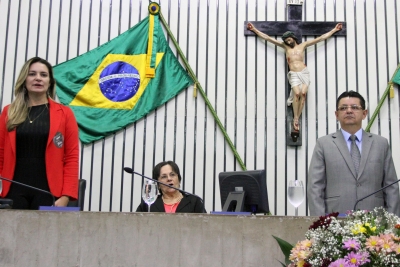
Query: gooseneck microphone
(377, 191)
(129, 170)
(31, 187)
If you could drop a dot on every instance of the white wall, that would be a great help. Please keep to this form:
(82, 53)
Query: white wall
(243, 77)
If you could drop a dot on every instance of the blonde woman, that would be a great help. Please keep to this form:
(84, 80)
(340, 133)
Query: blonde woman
(38, 141)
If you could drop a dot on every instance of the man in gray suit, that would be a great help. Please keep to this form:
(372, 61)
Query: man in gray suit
(344, 169)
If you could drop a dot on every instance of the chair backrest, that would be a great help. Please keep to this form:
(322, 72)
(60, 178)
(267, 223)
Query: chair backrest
(81, 196)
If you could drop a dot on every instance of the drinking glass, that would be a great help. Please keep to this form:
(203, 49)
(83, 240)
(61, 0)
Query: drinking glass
(149, 192)
(296, 194)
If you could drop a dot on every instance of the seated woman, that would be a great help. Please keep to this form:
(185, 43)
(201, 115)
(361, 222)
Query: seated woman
(170, 200)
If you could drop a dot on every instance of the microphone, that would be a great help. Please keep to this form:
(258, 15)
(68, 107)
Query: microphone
(31, 187)
(355, 206)
(129, 170)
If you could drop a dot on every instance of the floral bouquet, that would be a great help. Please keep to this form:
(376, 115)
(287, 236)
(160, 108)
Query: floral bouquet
(363, 238)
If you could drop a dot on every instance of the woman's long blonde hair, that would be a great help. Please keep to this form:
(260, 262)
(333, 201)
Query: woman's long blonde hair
(18, 110)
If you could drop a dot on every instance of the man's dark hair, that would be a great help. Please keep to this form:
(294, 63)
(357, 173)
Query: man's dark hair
(157, 169)
(351, 94)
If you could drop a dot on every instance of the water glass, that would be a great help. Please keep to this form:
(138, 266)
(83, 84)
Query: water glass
(149, 192)
(296, 194)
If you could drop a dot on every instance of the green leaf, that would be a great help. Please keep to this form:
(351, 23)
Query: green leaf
(285, 247)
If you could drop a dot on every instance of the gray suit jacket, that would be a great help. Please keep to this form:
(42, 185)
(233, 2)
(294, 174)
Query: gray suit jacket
(333, 185)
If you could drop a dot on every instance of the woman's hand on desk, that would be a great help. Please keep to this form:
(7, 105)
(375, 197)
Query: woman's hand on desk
(62, 201)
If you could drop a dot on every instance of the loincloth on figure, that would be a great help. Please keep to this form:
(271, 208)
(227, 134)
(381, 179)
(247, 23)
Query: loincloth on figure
(297, 78)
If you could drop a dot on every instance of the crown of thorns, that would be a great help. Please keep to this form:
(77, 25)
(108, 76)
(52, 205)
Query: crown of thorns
(288, 34)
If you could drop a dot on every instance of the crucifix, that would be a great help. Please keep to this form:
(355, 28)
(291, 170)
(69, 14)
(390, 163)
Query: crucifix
(292, 32)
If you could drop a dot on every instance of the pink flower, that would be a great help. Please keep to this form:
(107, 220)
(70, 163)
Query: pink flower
(397, 249)
(353, 258)
(386, 243)
(301, 251)
(339, 263)
(373, 243)
(351, 244)
(364, 257)
(298, 254)
(305, 244)
(357, 259)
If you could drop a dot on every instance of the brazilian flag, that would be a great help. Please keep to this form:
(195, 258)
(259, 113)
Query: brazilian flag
(121, 81)
(396, 77)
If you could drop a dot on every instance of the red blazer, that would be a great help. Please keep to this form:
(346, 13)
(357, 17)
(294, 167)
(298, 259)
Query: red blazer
(62, 156)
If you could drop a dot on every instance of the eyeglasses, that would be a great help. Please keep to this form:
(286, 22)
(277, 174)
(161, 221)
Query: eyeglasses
(352, 107)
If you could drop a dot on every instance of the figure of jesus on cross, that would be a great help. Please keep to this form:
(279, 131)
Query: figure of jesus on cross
(298, 76)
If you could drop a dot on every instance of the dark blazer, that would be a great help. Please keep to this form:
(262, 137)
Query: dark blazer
(333, 185)
(188, 204)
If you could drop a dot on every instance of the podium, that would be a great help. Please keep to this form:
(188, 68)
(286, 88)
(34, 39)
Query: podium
(43, 238)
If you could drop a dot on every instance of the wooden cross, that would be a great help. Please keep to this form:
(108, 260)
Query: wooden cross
(299, 28)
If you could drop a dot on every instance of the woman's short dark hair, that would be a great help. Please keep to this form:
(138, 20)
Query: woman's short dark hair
(174, 166)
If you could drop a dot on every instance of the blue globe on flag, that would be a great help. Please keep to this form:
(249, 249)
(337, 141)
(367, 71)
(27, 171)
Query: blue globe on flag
(119, 81)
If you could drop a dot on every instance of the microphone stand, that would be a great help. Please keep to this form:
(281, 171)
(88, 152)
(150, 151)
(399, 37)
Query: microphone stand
(355, 206)
(31, 187)
(129, 170)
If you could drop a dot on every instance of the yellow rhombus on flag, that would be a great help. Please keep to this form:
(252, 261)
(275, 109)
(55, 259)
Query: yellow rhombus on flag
(120, 81)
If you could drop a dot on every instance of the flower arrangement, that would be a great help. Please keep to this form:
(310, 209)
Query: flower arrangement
(362, 238)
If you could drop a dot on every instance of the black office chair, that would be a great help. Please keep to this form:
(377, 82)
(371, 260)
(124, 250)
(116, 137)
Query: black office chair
(6, 203)
(81, 196)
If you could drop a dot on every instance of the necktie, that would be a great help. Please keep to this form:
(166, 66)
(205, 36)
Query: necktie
(355, 152)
